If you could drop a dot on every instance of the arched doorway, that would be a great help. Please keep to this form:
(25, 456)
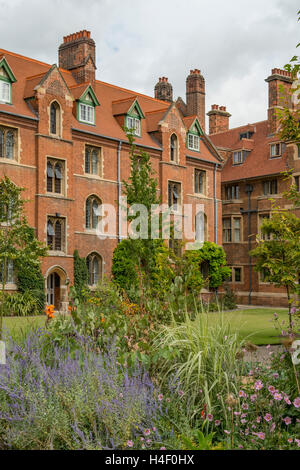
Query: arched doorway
(53, 290)
(56, 288)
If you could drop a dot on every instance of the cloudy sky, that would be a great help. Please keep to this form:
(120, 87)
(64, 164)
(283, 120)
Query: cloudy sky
(235, 43)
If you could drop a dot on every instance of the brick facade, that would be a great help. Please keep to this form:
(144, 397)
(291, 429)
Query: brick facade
(252, 175)
(51, 147)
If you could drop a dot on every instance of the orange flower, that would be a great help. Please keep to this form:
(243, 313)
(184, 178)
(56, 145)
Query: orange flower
(102, 320)
(49, 311)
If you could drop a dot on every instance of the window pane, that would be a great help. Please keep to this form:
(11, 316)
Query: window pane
(4, 91)
(58, 233)
(10, 145)
(10, 271)
(88, 213)
(237, 274)
(95, 162)
(95, 214)
(53, 122)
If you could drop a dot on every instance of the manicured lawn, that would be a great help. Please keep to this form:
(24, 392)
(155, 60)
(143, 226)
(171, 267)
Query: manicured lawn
(256, 323)
(19, 325)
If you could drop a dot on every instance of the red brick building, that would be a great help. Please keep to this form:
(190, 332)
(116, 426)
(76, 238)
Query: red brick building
(252, 174)
(62, 138)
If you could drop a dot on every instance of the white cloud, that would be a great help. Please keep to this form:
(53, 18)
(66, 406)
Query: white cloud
(235, 44)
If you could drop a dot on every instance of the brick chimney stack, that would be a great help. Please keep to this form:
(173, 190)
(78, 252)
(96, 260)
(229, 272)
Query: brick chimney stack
(280, 83)
(78, 54)
(218, 119)
(163, 90)
(195, 96)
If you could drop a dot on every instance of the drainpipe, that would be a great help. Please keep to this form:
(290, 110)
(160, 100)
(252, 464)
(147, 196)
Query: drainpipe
(119, 192)
(215, 204)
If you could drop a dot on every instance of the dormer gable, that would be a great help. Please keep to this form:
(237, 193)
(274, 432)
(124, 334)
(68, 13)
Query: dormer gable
(7, 78)
(129, 114)
(86, 102)
(194, 133)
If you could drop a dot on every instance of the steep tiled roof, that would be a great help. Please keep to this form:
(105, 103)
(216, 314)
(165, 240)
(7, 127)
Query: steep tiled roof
(122, 106)
(258, 162)
(29, 73)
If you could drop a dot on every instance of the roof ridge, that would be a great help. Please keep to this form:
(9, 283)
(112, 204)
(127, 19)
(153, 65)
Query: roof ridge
(125, 99)
(239, 127)
(77, 85)
(130, 91)
(36, 76)
(162, 110)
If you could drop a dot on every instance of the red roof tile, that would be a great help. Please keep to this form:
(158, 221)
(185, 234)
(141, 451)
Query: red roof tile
(258, 163)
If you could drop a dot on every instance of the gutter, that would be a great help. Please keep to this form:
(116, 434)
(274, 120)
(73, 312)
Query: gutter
(114, 139)
(19, 115)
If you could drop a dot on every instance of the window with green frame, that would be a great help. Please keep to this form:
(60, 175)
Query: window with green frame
(86, 107)
(6, 80)
(133, 119)
(193, 137)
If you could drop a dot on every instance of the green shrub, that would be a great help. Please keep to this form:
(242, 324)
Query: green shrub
(30, 279)
(81, 275)
(203, 359)
(21, 304)
(123, 267)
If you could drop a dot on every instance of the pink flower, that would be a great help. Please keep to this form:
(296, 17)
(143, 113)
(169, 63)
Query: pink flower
(287, 420)
(296, 402)
(243, 421)
(253, 397)
(210, 418)
(160, 397)
(261, 435)
(258, 419)
(226, 432)
(247, 432)
(277, 396)
(129, 444)
(242, 394)
(287, 400)
(245, 406)
(147, 432)
(142, 439)
(163, 448)
(275, 375)
(148, 441)
(217, 422)
(290, 440)
(258, 385)
(297, 442)
(268, 417)
(181, 393)
(154, 429)
(271, 389)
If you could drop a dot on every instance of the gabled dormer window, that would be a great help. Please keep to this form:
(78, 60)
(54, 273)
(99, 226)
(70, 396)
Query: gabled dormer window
(133, 119)
(193, 137)
(86, 107)
(6, 80)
